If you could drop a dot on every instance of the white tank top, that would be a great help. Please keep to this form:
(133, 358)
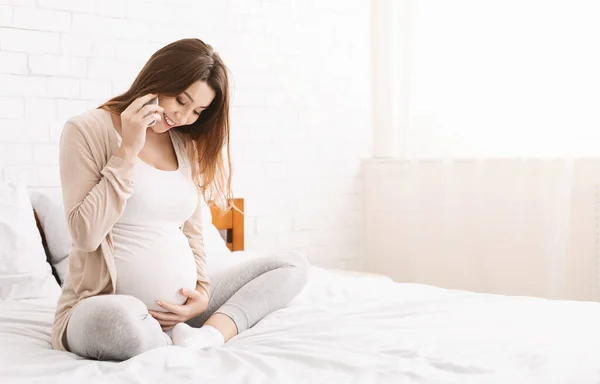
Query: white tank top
(152, 254)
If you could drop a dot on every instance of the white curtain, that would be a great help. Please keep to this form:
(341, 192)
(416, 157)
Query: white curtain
(487, 115)
(502, 78)
(508, 226)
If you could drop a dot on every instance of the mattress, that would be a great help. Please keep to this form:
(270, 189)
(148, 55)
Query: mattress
(344, 329)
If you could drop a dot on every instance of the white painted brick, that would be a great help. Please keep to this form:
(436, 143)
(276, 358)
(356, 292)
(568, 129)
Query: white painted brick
(63, 87)
(19, 85)
(278, 16)
(258, 43)
(333, 5)
(40, 110)
(296, 142)
(351, 249)
(132, 48)
(103, 48)
(57, 65)
(331, 264)
(189, 4)
(251, 7)
(249, 224)
(6, 16)
(95, 89)
(160, 12)
(74, 45)
(253, 24)
(101, 68)
(11, 108)
(25, 173)
(348, 202)
(263, 244)
(55, 129)
(42, 19)
(93, 104)
(341, 185)
(233, 23)
(15, 154)
(305, 221)
(314, 254)
(85, 6)
(249, 119)
(13, 131)
(354, 218)
(48, 176)
(45, 154)
(113, 8)
(127, 72)
(356, 265)
(347, 236)
(268, 205)
(159, 32)
(87, 24)
(28, 41)
(13, 63)
(133, 29)
(21, 3)
(300, 239)
(276, 224)
(276, 171)
(70, 108)
(37, 131)
(344, 168)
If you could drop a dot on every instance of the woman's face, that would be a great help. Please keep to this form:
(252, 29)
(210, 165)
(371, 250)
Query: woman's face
(184, 108)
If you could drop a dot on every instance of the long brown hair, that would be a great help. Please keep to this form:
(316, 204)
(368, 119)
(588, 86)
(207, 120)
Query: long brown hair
(170, 71)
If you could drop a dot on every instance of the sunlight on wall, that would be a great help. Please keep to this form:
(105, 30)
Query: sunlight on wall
(502, 79)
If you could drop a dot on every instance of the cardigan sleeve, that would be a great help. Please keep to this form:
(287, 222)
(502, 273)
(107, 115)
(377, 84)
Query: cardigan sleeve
(94, 198)
(192, 229)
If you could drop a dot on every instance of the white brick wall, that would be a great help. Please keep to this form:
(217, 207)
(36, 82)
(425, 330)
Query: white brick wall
(300, 113)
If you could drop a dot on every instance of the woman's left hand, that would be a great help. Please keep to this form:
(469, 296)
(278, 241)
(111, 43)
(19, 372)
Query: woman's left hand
(195, 304)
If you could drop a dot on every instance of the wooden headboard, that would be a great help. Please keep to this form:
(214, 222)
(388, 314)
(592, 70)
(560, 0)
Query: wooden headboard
(231, 223)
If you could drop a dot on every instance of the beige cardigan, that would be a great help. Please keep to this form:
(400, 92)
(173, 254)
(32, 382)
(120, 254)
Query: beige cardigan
(96, 185)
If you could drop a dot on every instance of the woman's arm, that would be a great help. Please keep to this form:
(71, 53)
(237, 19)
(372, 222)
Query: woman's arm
(94, 198)
(192, 229)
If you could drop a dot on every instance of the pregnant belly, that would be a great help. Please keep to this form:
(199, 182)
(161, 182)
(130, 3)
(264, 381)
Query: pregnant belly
(155, 269)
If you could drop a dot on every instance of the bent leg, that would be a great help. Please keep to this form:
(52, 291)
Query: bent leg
(113, 327)
(250, 291)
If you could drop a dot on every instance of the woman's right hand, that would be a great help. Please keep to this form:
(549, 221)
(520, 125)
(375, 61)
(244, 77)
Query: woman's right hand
(134, 123)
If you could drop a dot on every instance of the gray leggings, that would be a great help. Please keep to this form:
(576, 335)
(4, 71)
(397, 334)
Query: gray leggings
(117, 327)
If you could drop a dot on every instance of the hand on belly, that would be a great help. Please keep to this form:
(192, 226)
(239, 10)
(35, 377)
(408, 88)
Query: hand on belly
(154, 267)
(167, 293)
(150, 288)
(196, 303)
(156, 278)
(175, 298)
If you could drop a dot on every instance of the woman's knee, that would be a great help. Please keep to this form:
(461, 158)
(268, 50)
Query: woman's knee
(298, 262)
(295, 259)
(108, 327)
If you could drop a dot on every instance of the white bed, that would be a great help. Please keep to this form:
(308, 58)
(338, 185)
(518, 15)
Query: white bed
(344, 329)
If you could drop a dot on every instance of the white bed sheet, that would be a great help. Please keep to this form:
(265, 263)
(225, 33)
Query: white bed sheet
(344, 329)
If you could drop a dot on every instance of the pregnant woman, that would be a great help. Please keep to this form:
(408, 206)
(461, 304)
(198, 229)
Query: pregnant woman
(134, 173)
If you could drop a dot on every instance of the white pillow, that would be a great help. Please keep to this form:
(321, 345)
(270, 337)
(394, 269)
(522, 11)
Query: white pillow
(49, 207)
(24, 272)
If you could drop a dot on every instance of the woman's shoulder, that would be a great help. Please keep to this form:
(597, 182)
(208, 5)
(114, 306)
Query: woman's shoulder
(97, 120)
(93, 128)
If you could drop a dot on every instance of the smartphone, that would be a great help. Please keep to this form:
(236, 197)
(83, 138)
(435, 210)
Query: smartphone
(155, 102)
